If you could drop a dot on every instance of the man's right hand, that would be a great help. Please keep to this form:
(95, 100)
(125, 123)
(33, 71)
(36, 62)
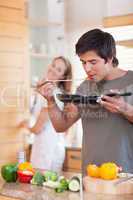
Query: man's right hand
(47, 90)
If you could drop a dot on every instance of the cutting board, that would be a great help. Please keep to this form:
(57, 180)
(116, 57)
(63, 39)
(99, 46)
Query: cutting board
(101, 186)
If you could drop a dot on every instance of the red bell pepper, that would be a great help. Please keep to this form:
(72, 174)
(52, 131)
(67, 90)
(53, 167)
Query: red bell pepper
(24, 176)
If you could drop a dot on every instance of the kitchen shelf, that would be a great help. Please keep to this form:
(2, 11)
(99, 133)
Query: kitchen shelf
(42, 23)
(40, 55)
(46, 33)
(126, 43)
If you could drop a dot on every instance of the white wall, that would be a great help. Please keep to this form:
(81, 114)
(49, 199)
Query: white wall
(87, 13)
(119, 7)
(81, 16)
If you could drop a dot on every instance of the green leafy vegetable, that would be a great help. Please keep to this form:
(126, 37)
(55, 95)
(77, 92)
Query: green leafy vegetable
(38, 179)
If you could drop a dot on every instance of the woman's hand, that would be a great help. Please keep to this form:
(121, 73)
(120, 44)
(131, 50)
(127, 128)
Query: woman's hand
(24, 124)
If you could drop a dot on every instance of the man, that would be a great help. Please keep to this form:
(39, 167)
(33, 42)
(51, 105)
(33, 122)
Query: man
(107, 125)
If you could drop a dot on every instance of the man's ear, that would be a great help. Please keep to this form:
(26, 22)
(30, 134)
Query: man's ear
(110, 60)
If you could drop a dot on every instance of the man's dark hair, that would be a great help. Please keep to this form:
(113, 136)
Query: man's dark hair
(99, 41)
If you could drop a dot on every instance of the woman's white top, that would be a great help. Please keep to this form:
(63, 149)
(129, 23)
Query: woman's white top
(48, 150)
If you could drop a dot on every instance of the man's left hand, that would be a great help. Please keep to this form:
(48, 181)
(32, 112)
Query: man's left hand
(118, 105)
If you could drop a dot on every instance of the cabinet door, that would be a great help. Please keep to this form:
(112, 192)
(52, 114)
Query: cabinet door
(72, 161)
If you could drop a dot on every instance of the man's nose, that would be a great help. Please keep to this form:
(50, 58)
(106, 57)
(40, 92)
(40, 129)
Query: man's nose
(88, 67)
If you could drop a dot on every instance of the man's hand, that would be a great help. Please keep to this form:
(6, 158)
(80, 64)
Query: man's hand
(114, 104)
(118, 105)
(47, 90)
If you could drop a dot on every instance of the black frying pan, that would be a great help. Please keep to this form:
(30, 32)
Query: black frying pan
(74, 98)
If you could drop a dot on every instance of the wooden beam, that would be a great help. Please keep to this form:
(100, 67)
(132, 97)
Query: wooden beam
(18, 4)
(9, 44)
(12, 15)
(11, 60)
(12, 29)
(126, 43)
(122, 20)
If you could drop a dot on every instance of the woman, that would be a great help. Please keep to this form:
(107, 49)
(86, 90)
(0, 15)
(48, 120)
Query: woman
(48, 150)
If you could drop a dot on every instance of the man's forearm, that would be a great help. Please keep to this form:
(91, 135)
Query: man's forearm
(128, 113)
(129, 116)
(58, 117)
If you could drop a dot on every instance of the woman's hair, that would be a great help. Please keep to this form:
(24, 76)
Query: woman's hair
(66, 85)
(99, 41)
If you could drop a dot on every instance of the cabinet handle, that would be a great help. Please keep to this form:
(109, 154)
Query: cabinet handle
(75, 157)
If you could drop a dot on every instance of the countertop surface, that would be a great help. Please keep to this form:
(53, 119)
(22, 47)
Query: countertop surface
(13, 191)
(90, 196)
(31, 192)
(17, 191)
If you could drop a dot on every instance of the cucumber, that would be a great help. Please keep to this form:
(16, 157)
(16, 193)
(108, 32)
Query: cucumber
(51, 184)
(74, 184)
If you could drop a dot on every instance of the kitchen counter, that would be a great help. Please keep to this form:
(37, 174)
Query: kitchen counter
(49, 194)
(19, 191)
(4, 197)
(32, 192)
(91, 196)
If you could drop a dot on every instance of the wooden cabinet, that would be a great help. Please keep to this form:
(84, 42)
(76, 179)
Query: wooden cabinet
(14, 78)
(73, 160)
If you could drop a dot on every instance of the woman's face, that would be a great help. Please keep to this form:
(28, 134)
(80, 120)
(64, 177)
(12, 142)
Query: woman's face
(56, 70)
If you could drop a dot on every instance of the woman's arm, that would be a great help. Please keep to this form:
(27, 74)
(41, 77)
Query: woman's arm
(42, 118)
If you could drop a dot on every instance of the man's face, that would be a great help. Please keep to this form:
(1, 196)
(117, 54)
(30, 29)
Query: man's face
(95, 66)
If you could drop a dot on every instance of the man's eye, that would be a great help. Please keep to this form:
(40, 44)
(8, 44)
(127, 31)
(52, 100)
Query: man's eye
(83, 62)
(93, 62)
